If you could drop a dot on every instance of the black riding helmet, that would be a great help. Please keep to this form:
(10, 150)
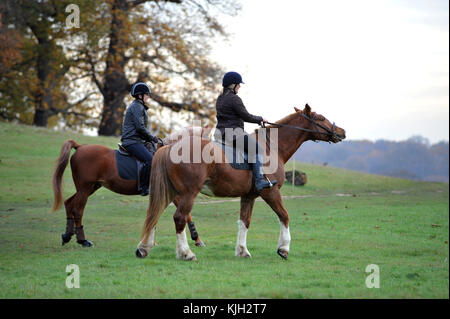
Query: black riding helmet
(140, 88)
(231, 78)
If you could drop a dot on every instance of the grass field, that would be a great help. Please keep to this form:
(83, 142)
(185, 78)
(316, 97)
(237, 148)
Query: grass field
(341, 221)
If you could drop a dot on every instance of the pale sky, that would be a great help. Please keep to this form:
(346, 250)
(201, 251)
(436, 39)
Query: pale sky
(379, 69)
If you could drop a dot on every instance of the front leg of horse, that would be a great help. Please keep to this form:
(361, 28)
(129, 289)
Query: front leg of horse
(183, 251)
(275, 201)
(284, 241)
(241, 243)
(247, 203)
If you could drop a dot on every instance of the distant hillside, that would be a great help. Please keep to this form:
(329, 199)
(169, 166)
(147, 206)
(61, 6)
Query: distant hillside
(414, 158)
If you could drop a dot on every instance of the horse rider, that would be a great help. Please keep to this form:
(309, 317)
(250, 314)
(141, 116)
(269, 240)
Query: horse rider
(135, 132)
(231, 114)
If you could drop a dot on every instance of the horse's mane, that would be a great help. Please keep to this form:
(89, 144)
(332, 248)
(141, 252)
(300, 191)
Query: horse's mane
(288, 118)
(190, 131)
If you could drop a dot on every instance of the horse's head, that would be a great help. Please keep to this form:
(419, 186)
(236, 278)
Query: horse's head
(321, 129)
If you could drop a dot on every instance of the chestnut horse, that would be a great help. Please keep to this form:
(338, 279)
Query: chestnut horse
(170, 179)
(94, 166)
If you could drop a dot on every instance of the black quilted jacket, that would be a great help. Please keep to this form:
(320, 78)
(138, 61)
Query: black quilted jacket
(232, 113)
(135, 123)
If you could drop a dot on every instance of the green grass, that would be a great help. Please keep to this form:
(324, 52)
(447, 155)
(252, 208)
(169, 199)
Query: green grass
(345, 221)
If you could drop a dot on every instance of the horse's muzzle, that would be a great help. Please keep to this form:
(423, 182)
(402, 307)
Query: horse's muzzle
(338, 137)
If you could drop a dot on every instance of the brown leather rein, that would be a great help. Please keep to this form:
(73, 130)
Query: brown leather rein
(327, 132)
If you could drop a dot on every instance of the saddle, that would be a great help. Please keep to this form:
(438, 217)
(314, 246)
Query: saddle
(237, 158)
(128, 166)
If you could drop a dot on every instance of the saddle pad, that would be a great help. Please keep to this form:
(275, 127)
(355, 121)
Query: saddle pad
(237, 158)
(126, 166)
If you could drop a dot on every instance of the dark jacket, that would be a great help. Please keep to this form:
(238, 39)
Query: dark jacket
(231, 112)
(135, 123)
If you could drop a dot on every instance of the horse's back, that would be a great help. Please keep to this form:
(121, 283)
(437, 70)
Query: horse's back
(92, 160)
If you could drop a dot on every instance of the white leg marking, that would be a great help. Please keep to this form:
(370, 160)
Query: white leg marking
(285, 238)
(183, 251)
(150, 242)
(241, 244)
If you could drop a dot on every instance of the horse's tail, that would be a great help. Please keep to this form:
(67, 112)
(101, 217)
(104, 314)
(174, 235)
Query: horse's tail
(162, 192)
(62, 162)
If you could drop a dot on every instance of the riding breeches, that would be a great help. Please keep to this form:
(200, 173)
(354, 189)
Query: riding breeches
(243, 141)
(139, 151)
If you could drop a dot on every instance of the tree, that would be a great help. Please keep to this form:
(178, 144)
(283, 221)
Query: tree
(82, 76)
(33, 62)
(165, 43)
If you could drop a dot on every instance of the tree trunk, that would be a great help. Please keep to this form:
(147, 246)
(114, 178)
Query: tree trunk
(112, 115)
(40, 118)
(44, 100)
(45, 59)
(116, 85)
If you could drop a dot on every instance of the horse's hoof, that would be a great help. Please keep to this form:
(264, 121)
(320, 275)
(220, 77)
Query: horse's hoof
(200, 243)
(188, 256)
(86, 243)
(65, 238)
(242, 251)
(283, 254)
(191, 258)
(141, 253)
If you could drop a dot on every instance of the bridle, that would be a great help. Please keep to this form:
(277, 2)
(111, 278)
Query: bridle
(328, 132)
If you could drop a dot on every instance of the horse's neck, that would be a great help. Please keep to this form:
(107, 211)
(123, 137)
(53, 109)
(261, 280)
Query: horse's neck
(289, 141)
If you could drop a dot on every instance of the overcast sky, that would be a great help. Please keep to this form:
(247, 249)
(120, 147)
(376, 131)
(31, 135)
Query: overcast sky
(379, 69)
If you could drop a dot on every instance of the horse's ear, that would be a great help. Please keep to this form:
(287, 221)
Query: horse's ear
(296, 109)
(307, 109)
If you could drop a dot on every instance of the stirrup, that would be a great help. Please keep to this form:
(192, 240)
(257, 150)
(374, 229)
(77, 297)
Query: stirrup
(270, 183)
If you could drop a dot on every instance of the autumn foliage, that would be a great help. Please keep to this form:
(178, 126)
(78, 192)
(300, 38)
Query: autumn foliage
(52, 74)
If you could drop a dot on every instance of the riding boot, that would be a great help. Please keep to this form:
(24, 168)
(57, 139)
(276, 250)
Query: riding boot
(260, 181)
(144, 179)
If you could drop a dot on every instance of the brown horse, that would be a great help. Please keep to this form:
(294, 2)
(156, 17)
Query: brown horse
(94, 166)
(184, 180)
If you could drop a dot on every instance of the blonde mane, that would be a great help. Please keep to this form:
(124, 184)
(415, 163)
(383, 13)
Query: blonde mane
(204, 132)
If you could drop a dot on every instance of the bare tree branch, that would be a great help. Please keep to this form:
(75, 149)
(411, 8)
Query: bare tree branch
(94, 76)
(176, 106)
(138, 2)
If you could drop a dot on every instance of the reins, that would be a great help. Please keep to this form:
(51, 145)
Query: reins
(328, 132)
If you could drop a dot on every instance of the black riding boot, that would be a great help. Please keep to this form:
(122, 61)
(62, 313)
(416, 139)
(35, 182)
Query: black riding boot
(260, 181)
(144, 179)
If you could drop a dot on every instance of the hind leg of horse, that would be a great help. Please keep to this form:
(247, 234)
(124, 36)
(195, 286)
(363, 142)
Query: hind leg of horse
(244, 223)
(192, 229)
(79, 203)
(145, 246)
(184, 208)
(273, 198)
(70, 223)
(75, 209)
